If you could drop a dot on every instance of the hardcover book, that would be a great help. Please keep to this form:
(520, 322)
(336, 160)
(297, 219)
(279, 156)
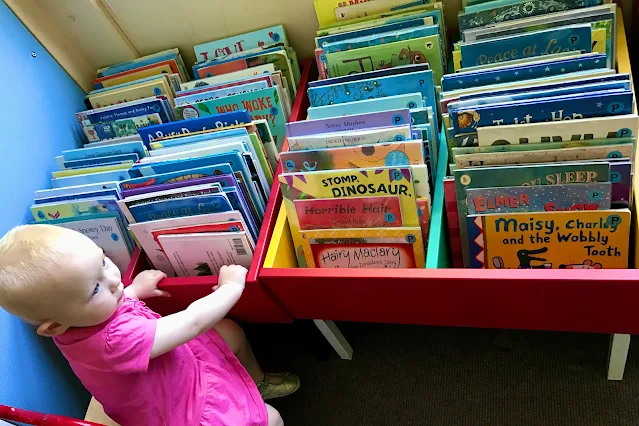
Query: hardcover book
(179, 207)
(400, 117)
(240, 43)
(343, 139)
(408, 100)
(551, 240)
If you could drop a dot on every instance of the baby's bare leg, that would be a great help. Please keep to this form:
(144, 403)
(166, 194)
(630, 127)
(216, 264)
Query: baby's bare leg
(235, 339)
(274, 418)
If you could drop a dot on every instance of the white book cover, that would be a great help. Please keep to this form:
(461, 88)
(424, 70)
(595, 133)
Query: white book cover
(143, 234)
(623, 126)
(232, 76)
(107, 234)
(191, 152)
(180, 149)
(356, 137)
(204, 254)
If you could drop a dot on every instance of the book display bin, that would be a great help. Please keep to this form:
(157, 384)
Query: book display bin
(603, 301)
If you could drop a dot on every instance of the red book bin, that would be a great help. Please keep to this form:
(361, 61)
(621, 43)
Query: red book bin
(604, 301)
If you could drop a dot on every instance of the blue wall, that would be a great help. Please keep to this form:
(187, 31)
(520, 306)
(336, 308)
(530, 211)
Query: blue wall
(37, 105)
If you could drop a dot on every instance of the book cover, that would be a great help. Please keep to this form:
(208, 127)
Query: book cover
(163, 67)
(415, 51)
(360, 10)
(232, 76)
(260, 104)
(519, 10)
(240, 43)
(106, 231)
(400, 117)
(541, 146)
(180, 128)
(102, 161)
(206, 95)
(508, 73)
(196, 255)
(393, 154)
(425, 30)
(79, 189)
(568, 107)
(154, 105)
(189, 206)
(209, 228)
(623, 126)
(131, 91)
(621, 178)
(408, 100)
(404, 69)
(112, 176)
(552, 198)
(178, 176)
(526, 175)
(75, 208)
(363, 248)
(78, 196)
(202, 88)
(105, 151)
(146, 60)
(197, 137)
(597, 239)
(357, 137)
(358, 212)
(539, 43)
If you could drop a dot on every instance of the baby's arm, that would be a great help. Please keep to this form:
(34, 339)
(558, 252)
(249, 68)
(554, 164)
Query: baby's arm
(201, 315)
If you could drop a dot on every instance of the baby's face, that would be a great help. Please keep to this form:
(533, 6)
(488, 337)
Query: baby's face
(95, 289)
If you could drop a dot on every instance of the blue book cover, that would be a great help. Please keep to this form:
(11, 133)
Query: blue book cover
(568, 107)
(234, 57)
(227, 46)
(508, 74)
(104, 193)
(372, 88)
(539, 43)
(381, 38)
(180, 207)
(151, 106)
(186, 140)
(409, 23)
(161, 131)
(141, 62)
(238, 201)
(221, 93)
(409, 100)
(399, 117)
(54, 192)
(234, 159)
(105, 151)
(177, 176)
(76, 208)
(101, 161)
(112, 176)
(403, 69)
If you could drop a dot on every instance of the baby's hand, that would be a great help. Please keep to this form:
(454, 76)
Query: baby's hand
(145, 285)
(231, 273)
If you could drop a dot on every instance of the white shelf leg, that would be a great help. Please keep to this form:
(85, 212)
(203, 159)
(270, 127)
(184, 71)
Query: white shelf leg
(335, 338)
(619, 345)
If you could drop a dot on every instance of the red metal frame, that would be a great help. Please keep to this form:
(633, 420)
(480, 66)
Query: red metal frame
(40, 419)
(257, 303)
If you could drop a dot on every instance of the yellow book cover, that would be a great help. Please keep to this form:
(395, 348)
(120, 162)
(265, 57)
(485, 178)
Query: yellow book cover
(132, 91)
(370, 8)
(88, 170)
(373, 20)
(134, 76)
(363, 248)
(550, 240)
(370, 182)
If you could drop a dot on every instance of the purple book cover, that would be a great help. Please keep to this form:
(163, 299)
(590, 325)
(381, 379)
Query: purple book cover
(621, 178)
(347, 123)
(224, 180)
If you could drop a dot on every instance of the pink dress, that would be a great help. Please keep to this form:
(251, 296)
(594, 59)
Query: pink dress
(199, 383)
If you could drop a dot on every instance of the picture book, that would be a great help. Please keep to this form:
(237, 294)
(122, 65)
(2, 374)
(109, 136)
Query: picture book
(176, 176)
(162, 67)
(522, 175)
(363, 248)
(230, 226)
(428, 29)
(168, 194)
(596, 239)
(568, 107)
(516, 199)
(102, 161)
(220, 93)
(415, 51)
(384, 18)
(364, 9)
(544, 155)
(356, 137)
(400, 117)
(104, 151)
(179, 207)
(263, 78)
(260, 104)
(110, 176)
(106, 231)
(408, 100)
(143, 233)
(146, 60)
(621, 178)
(358, 212)
(76, 208)
(194, 255)
(240, 43)
(196, 137)
(519, 10)
(621, 126)
(392, 154)
(180, 128)
(158, 85)
(386, 72)
(267, 69)
(539, 43)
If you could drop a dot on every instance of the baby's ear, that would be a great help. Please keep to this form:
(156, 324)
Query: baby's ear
(51, 329)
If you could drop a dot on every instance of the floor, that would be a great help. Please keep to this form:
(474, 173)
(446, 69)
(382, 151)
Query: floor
(417, 376)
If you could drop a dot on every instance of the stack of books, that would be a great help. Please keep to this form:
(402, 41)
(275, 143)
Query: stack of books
(181, 168)
(541, 136)
(356, 181)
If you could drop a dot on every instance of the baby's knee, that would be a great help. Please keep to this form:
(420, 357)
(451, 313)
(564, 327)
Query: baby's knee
(232, 334)
(274, 418)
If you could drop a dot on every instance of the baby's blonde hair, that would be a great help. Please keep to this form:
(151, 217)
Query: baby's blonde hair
(31, 258)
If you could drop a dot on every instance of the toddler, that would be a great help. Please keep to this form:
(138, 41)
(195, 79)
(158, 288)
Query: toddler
(190, 368)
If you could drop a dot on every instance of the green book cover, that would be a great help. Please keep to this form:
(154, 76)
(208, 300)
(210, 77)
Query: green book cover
(424, 50)
(526, 175)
